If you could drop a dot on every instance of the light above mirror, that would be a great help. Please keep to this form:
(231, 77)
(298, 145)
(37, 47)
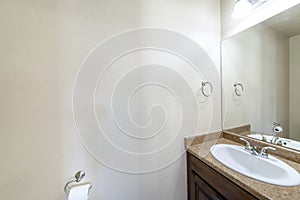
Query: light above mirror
(243, 8)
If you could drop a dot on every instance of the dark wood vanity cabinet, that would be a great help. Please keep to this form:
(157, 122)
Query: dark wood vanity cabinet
(206, 183)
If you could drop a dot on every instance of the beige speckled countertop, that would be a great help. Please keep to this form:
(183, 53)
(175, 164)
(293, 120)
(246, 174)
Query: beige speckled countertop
(259, 189)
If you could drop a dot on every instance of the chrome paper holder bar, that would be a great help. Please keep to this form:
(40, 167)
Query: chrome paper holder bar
(77, 178)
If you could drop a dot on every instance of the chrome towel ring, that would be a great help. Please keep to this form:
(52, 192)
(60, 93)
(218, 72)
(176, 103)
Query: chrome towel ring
(238, 88)
(204, 91)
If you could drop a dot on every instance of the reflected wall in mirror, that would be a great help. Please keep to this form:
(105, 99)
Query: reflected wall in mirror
(265, 60)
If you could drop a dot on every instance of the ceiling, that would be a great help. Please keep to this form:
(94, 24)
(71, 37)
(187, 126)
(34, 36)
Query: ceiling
(287, 22)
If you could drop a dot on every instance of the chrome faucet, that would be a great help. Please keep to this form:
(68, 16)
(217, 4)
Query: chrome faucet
(276, 130)
(249, 148)
(253, 150)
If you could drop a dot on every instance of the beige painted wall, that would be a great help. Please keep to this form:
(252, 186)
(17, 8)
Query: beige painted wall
(43, 44)
(259, 59)
(294, 120)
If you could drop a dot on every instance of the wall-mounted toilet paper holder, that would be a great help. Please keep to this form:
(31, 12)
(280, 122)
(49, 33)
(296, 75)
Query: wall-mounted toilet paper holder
(77, 178)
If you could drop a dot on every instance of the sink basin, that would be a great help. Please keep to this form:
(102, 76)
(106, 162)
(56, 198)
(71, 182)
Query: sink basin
(270, 170)
(292, 144)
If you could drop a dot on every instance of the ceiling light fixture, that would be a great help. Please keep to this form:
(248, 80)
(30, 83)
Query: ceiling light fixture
(244, 7)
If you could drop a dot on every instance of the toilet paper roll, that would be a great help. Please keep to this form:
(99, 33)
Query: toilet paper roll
(79, 192)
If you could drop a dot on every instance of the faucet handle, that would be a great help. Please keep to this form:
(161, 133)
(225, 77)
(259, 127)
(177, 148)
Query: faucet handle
(263, 138)
(263, 152)
(248, 146)
(276, 124)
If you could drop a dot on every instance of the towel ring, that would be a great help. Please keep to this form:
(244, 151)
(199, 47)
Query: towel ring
(77, 178)
(204, 84)
(238, 91)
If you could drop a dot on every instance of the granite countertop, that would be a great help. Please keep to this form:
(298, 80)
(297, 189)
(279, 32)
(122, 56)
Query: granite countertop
(259, 189)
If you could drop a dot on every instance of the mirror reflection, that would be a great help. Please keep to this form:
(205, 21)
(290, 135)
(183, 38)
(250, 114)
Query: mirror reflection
(261, 80)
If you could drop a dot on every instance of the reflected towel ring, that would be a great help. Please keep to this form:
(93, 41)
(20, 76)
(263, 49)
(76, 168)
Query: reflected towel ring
(204, 92)
(238, 91)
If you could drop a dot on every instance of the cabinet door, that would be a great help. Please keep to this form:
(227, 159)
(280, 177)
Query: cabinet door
(206, 183)
(202, 191)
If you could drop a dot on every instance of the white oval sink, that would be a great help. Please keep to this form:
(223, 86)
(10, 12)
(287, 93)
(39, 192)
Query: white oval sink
(292, 144)
(270, 170)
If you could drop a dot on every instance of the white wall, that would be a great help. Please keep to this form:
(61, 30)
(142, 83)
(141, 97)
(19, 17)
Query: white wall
(43, 44)
(259, 59)
(294, 118)
(271, 8)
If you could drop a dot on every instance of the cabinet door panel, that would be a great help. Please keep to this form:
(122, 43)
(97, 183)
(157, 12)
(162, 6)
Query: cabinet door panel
(203, 191)
(203, 180)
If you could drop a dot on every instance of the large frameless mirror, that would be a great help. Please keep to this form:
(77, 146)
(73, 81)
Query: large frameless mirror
(261, 80)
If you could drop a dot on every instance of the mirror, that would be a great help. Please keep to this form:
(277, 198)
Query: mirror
(261, 80)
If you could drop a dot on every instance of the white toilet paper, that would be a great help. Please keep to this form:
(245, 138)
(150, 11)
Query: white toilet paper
(79, 192)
